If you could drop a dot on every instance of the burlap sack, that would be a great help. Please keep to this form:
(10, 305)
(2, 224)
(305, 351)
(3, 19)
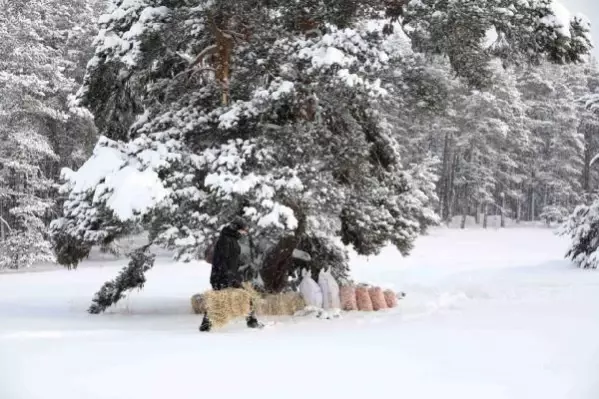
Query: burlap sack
(378, 298)
(390, 298)
(347, 294)
(363, 299)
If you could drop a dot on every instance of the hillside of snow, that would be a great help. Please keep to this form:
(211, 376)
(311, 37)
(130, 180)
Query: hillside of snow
(489, 314)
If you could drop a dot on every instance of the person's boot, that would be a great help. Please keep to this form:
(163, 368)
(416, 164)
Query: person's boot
(252, 322)
(206, 325)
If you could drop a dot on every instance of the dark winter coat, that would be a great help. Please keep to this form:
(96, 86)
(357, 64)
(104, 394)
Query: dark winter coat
(226, 261)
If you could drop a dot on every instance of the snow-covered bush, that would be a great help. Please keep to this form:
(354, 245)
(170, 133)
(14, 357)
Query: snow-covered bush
(554, 214)
(583, 229)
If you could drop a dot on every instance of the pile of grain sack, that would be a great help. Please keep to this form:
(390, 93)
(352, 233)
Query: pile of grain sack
(313, 298)
(328, 294)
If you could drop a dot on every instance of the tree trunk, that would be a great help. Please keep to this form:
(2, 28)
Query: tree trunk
(477, 214)
(518, 210)
(589, 153)
(532, 205)
(452, 192)
(278, 263)
(586, 169)
(2, 221)
(446, 182)
(485, 222)
(502, 210)
(464, 207)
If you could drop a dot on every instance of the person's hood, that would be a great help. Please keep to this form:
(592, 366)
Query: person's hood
(230, 232)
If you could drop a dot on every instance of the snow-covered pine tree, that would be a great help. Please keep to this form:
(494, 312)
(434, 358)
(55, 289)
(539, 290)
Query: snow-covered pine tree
(555, 160)
(581, 80)
(509, 110)
(41, 43)
(582, 226)
(583, 229)
(417, 115)
(25, 192)
(480, 136)
(277, 124)
(472, 32)
(268, 109)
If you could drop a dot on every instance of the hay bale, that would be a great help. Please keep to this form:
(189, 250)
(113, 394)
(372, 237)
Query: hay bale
(378, 298)
(240, 303)
(197, 304)
(218, 309)
(390, 298)
(363, 299)
(285, 304)
(347, 294)
(225, 305)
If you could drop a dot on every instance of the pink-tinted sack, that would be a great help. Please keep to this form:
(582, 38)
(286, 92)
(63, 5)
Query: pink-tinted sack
(378, 298)
(363, 299)
(347, 293)
(390, 298)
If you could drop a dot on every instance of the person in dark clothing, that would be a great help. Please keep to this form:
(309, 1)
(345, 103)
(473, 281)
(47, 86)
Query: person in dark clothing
(225, 266)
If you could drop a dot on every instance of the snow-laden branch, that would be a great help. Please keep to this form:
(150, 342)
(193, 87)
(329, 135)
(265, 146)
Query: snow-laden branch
(595, 158)
(5, 223)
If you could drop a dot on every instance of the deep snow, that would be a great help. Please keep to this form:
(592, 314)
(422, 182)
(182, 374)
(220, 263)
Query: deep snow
(489, 314)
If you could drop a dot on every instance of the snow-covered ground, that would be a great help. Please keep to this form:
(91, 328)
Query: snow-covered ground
(489, 314)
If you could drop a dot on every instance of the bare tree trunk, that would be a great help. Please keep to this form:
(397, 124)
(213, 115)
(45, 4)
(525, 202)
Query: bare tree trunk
(446, 180)
(477, 214)
(533, 215)
(502, 210)
(485, 222)
(518, 210)
(453, 203)
(2, 220)
(586, 171)
(464, 207)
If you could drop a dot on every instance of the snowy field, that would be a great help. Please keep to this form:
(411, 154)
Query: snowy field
(489, 314)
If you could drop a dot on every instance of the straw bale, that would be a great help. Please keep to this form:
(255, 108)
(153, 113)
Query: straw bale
(284, 304)
(197, 304)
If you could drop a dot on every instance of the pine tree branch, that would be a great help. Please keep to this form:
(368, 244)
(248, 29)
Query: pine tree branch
(5, 223)
(132, 276)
